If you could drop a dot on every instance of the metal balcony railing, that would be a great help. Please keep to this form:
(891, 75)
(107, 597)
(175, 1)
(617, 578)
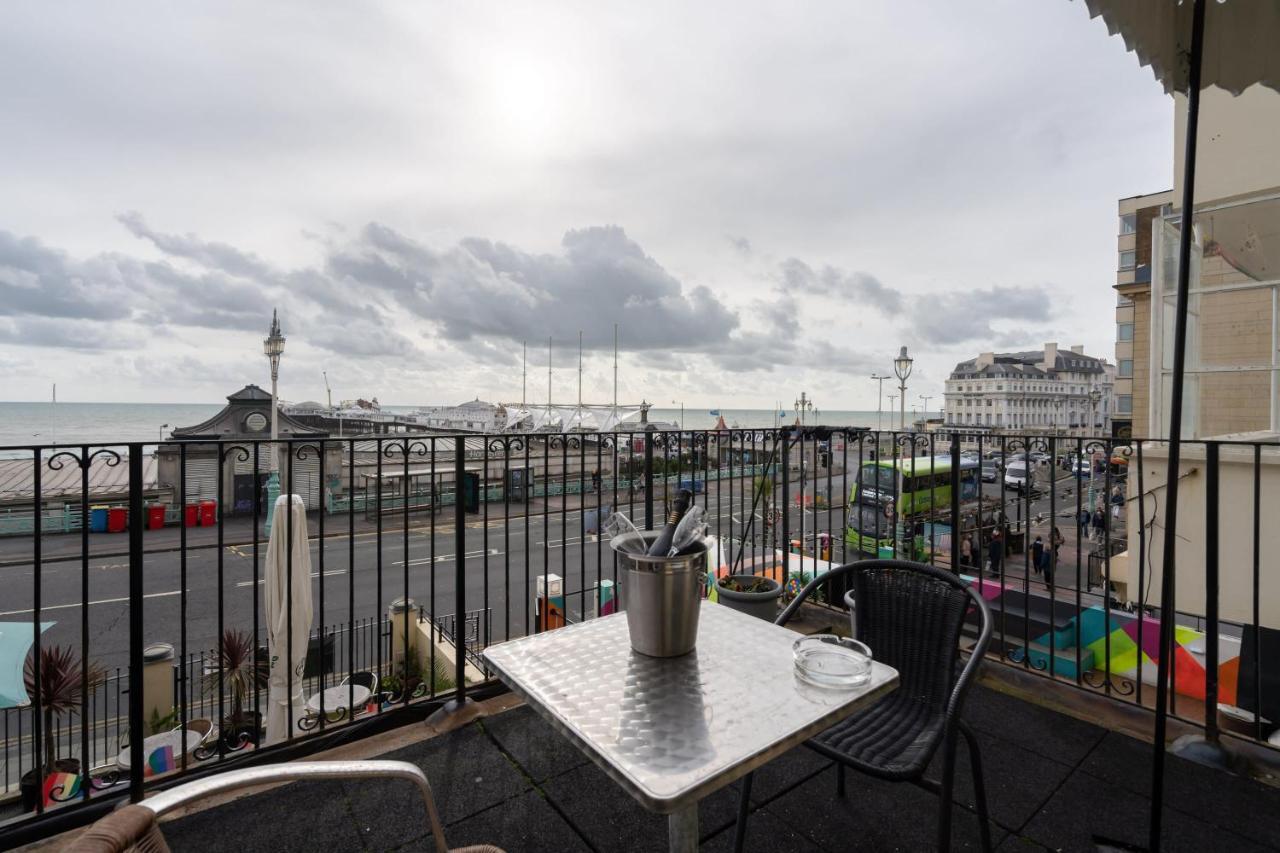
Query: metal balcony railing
(510, 541)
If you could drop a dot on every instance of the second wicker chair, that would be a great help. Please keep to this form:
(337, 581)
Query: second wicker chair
(911, 616)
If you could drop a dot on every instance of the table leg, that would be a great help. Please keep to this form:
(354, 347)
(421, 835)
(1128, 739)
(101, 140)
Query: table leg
(682, 830)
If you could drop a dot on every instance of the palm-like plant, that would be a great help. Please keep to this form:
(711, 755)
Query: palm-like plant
(60, 689)
(240, 671)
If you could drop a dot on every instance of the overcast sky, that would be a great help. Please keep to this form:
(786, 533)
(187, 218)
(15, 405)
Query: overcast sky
(766, 198)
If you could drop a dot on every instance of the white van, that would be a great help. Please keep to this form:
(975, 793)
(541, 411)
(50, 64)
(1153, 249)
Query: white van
(1017, 476)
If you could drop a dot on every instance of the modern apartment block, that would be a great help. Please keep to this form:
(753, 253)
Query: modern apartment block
(1133, 309)
(1064, 391)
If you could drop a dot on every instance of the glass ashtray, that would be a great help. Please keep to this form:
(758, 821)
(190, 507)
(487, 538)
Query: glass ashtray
(826, 660)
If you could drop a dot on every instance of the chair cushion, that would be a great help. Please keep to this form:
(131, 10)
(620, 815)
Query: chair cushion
(894, 738)
(132, 828)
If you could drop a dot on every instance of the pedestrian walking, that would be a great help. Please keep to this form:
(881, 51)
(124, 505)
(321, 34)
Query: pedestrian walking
(966, 552)
(1099, 521)
(1056, 540)
(595, 481)
(995, 551)
(1037, 555)
(1084, 522)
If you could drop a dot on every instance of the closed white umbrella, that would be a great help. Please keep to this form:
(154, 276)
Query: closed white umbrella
(288, 593)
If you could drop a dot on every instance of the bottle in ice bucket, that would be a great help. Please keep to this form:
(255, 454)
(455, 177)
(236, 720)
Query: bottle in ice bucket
(661, 546)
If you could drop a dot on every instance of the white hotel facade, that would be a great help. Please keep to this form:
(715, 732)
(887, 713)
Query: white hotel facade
(1041, 391)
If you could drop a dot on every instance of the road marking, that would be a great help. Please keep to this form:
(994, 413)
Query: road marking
(444, 558)
(91, 603)
(329, 573)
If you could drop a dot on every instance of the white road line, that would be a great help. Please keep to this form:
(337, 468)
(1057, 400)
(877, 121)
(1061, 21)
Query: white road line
(444, 558)
(91, 603)
(329, 573)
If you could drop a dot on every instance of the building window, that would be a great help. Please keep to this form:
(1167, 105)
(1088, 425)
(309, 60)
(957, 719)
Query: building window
(1125, 368)
(1128, 259)
(1124, 331)
(1128, 223)
(1124, 404)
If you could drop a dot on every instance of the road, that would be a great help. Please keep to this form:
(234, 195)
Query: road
(356, 577)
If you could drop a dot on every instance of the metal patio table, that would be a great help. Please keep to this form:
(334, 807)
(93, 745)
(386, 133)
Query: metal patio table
(671, 731)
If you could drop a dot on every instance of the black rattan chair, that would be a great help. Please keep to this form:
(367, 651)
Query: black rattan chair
(911, 615)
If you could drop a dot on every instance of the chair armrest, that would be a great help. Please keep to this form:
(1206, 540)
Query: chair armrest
(270, 774)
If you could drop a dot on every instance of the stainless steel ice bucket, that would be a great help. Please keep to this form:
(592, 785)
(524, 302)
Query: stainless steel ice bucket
(662, 597)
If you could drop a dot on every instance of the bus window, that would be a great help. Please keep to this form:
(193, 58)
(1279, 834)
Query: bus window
(968, 484)
(876, 477)
(871, 521)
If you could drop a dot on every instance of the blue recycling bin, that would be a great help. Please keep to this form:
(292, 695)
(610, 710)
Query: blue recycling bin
(97, 519)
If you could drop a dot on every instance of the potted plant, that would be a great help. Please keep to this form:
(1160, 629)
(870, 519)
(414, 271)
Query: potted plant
(59, 693)
(754, 595)
(240, 671)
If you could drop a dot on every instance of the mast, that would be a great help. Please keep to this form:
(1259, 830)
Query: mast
(579, 374)
(524, 373)
(53, 412)
(548, 377)
(615, 371)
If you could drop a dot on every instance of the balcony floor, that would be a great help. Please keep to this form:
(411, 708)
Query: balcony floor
(508, 779)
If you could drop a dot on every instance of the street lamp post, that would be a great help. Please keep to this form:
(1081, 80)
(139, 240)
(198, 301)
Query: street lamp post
(681, 403)
(879, 398)
(273, 348)
(163, 427)
(924, 411)
(1094, 396)
(1057, 417)
(804, 404)
(902, 369)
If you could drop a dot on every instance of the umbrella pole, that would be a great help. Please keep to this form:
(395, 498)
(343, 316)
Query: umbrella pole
(1168, 608)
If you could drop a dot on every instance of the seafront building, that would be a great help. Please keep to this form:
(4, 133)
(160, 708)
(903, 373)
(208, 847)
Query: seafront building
(1050, 390)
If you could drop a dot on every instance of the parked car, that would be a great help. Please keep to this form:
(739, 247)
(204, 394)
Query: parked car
(1081, 466)
(990, 472)
(1017, 476)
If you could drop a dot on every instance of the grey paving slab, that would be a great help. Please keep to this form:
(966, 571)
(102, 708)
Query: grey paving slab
(284, 820)
(467, 774)
(1032, 727)
(610, 819)
(768, 834)
(1235, 803)
(527, 824)
(874, 815)
(543, 752)
(1018, 781)
(1086, 806)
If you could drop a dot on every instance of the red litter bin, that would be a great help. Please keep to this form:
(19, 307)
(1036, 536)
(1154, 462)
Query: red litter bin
(208, 513)
(191, 515)
(155, 516)
(117, 519)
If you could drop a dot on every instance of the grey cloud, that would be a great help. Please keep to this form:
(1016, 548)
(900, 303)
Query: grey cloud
(494, 291)
(38, 280)
(858, 287)
(950, 318)
(65, 333)
(208, 254)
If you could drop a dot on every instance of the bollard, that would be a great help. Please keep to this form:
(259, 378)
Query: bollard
(157, 683)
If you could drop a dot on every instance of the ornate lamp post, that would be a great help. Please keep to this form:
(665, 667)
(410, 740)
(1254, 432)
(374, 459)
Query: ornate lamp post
(1057, 417)
(803, 405)
(902, 369)
(1095, 396)
(273, 348)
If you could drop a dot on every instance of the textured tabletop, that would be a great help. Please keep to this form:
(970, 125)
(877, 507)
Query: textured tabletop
(672, 730)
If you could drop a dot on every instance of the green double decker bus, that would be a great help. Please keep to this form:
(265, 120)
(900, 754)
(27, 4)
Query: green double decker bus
(914, 486)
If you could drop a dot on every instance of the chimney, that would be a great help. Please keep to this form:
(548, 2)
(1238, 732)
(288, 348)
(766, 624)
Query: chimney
(985, 359)
(1050, 356)
(1078, 349)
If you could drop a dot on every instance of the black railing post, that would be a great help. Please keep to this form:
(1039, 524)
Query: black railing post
(136, 757)
(460, 576)
(648, 480)
(956, 532)
(1211, 594)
